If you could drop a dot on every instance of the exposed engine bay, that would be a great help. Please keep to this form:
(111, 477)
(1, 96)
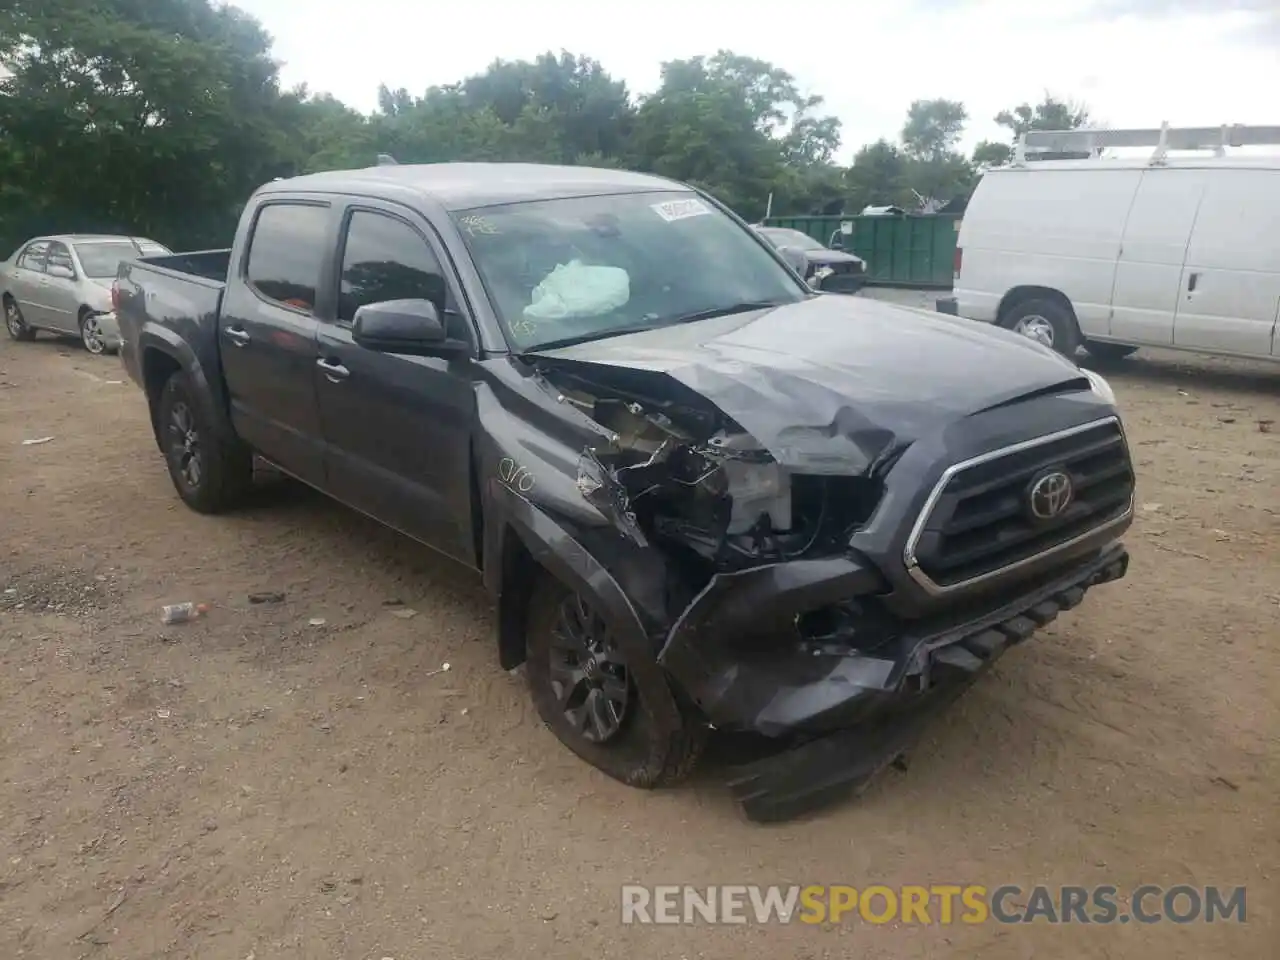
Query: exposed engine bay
(686, 478)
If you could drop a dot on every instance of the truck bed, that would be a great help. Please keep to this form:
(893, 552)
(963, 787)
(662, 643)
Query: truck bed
(206, 264)
(180, 293)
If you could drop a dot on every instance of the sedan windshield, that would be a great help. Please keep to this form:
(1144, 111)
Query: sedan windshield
(101, 260)
(561, 271)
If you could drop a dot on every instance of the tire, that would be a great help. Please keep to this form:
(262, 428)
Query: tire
(1046, 321)
(636, 751)
(15, 323)
(91, 337)
(1108, 351)
(222, 474)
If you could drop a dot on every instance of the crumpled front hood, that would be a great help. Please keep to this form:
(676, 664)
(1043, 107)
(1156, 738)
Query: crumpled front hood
(831, 384)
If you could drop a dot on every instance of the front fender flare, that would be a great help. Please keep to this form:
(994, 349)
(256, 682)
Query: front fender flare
(555, 549)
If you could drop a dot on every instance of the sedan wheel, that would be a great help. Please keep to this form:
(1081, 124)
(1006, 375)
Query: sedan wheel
(91, 335)
(14, 322)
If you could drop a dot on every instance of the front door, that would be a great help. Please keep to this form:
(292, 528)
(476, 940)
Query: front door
(267, 334)
(1145, 296)
(1230, 288)
(398, 428)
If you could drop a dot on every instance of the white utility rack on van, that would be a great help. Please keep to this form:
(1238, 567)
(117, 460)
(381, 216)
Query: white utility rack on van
(1114, 253)
(1163, 139)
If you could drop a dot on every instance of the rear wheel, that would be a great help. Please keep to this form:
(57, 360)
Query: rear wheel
(210, 474)
(1045, 321)
(14, 322)
(595, 703)
(1108, 351)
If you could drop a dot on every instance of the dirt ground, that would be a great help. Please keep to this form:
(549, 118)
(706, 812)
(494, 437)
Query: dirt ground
(261, 785)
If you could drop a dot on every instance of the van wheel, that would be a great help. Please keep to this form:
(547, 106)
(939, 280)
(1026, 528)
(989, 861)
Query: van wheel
(596, 706)
(1108, 351)
(209, 474)
(1047, 322)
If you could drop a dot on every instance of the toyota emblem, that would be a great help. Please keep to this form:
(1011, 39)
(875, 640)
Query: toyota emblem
(1050, 495)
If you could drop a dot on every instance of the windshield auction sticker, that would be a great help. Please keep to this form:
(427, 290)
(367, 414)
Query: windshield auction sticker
(673, 210)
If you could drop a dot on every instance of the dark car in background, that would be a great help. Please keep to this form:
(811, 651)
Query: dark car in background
(835, 270)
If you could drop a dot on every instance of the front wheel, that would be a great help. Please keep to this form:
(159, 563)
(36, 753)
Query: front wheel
(1045, 321)
(210, 474)
(594, 702)
(14, 322)
(91, 334)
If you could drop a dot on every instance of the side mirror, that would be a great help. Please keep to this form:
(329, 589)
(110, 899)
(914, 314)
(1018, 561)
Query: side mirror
(410, 327)
(796, 259)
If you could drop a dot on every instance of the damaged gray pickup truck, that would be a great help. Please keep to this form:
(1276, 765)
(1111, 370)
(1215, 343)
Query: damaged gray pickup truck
(703, 495)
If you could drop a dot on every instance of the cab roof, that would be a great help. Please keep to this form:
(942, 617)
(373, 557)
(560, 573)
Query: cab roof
(461, 186)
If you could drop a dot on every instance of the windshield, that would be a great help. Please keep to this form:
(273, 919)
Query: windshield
(101, 260)
(792, 238)
(593, 267)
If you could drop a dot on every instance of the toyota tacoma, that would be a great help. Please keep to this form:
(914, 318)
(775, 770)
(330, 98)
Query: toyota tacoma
(702, 495)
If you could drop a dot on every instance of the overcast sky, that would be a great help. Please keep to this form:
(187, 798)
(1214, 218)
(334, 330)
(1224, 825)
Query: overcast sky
(1134, 62)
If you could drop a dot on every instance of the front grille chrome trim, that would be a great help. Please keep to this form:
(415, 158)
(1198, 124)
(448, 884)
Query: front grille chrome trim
(917, 530)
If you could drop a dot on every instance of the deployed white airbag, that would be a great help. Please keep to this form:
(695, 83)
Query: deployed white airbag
(576, 289)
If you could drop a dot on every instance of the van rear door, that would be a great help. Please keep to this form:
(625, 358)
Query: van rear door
(1230, 284)
(1145, 297)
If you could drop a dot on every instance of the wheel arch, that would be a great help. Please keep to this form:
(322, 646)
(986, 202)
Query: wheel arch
(1021, 294)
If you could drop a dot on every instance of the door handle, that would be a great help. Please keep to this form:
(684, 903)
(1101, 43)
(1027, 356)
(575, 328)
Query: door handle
(334, 371)
(1192, 281)
(237, 335)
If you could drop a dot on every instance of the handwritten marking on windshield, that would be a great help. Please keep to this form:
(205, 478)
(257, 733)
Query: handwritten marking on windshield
(515, 476)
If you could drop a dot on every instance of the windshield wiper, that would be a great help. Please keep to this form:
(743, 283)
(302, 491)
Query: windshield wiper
(707, 314)
(595, 335)
(712, 312)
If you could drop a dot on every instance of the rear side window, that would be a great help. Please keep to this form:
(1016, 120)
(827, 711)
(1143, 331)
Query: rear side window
(386, 259)
(286, 253)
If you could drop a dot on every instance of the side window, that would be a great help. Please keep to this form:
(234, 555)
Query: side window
(286, 253)
(59, 263)
(32, 258)
(386, 259)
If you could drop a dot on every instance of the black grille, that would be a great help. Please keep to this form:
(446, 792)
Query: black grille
(983, 520)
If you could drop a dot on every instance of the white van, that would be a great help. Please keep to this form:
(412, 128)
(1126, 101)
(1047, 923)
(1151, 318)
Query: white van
(1115, 254)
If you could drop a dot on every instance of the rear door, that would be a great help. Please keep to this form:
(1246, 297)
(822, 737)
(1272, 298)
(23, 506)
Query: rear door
(1230, 285)
(267, 332)
(1145, 298)
(61, 302)
(398, 428)
(27, 286)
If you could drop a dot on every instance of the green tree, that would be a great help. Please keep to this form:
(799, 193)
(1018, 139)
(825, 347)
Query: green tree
(741, 128)
(933, 129)
(1049, 114)
(153, 116)
(879, 175)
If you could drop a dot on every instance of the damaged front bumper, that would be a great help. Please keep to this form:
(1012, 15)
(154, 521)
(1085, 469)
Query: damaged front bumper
(845, 714)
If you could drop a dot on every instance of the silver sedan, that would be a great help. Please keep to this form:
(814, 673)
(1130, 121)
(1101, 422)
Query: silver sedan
(62, 284)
